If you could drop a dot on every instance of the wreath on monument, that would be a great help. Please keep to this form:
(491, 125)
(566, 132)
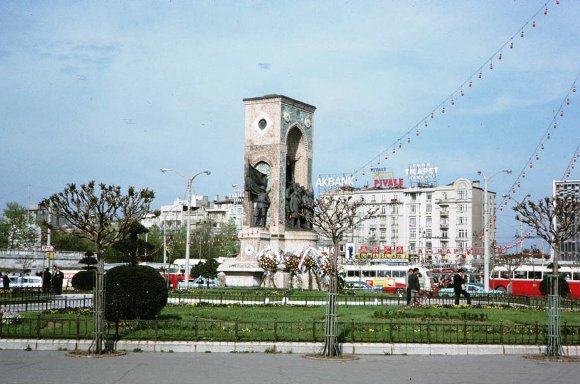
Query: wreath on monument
(292, 262)
(268, 260)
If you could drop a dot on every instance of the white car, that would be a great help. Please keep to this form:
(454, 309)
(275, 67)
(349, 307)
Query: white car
(198, 283)
(25, 282)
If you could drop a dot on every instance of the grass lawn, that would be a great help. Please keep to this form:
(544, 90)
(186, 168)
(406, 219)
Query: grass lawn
(447, 314)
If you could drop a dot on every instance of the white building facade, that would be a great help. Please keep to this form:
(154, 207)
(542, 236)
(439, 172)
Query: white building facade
(422, 223)
(569, 249)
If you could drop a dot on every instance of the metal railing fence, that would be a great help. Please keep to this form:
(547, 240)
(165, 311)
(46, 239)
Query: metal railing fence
(461, 332)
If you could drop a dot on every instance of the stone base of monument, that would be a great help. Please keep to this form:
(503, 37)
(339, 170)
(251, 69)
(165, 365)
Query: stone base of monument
(243, 270)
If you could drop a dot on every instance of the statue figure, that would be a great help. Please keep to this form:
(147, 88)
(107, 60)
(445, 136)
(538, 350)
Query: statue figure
(261, 209)
(294, 206)
(307, 209)
(256, 184)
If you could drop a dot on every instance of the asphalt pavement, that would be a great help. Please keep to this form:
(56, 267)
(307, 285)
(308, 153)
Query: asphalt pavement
(23, 367)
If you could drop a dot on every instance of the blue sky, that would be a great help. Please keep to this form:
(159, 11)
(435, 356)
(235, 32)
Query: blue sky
(113, 91)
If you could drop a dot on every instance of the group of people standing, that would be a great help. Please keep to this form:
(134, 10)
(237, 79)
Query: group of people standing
(52, 282)
(414, 286)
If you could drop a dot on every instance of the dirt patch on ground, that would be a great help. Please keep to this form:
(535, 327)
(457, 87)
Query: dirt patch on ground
(314, 356)
(558, 359)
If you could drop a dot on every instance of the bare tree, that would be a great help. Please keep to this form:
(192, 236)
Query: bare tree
(104, 215)
(555, 219)
(510, 263)
(333, 216)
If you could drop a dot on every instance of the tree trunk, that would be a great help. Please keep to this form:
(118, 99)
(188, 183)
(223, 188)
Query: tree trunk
(99, 305)
(554, 347)
(331, 345)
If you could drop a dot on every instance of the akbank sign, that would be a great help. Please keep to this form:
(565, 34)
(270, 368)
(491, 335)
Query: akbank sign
(330, 181)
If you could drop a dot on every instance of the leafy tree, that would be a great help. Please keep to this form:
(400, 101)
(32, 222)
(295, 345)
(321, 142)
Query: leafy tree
(226, 242)
(555, 219)
(132, 247)
(207, 268)
(16, 228)
(333, 216)
(104, 215)
(67, 240)
(89, 260)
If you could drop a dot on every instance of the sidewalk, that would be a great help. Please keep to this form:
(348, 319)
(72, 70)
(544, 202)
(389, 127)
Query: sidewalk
(22, 367)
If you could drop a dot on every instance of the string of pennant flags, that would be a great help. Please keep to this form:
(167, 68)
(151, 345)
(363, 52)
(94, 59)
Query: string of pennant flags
(572, 163)
(528, 167)
(453, 99)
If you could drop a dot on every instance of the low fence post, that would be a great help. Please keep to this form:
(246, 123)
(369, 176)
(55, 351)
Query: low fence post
(536, 331)
(196, 328)
(156, 327)
(314, 331)
(501, 332)
(236, 326)
(465, 331)
(352, 330)
(565, 332)
(429, 331)
(38, 326)
(391, 330)
(78, 326)
(275, 329)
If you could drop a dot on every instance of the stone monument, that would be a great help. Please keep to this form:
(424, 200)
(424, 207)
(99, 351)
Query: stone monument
(277, 184)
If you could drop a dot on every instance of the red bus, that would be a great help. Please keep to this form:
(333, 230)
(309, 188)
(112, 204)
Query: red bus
(170, 272)
(526, 279)
(392, 278)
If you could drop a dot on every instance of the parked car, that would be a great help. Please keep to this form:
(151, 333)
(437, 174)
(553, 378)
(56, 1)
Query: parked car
(18, 282)
(474, 289)
(362, 285)
(198, 282)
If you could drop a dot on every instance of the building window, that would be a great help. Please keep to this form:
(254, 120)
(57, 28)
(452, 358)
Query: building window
(462, 194)
(429, 222)
(462, 233)
(413, 208)
(412, 233)
(429, 208)
(383, 210)
(412, 222)
(429, 196)
(428, 233)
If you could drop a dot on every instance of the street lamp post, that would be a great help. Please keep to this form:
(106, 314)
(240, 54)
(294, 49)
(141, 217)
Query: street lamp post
(486, 180)
(188, 229)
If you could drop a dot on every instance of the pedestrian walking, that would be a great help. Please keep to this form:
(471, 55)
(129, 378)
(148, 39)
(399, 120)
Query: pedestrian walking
(5, 281)
(409, 273)
(46, 280)
(57, 280)
(459, 286)
(415, 286)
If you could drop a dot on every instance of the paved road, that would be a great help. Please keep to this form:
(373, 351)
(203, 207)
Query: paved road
(21, 367)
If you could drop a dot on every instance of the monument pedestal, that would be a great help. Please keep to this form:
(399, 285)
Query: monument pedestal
(278, 150)
(244, 271)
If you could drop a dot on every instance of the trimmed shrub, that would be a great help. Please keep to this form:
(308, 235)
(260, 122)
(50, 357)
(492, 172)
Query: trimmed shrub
(84, 280)
(134, 292)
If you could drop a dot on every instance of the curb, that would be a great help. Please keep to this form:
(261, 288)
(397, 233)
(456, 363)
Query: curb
(283, 347)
